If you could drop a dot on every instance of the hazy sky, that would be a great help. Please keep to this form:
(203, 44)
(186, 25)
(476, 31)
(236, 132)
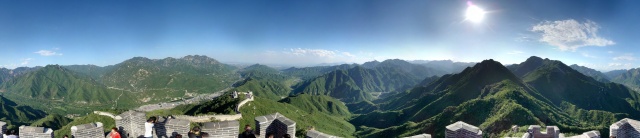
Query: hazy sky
(594, 33)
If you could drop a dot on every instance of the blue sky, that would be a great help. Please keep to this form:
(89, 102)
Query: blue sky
(592, 33)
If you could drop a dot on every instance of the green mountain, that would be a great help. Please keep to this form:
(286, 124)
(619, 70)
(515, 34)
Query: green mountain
(8, 74)
(358, 83)
(53, 121)
(490, 96)
(559, 82)
(307, 73)
(615, 73)
(265, 82)
(599, 76)
(631, 79)
(193, 74)
(55, 83)
(413, 69)
(318, 103)
(447, 66)
(16, 115)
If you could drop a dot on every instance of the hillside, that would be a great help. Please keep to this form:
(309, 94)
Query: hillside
(615, 73)
(334, 125)
(56, 83)
(447, 66)
(16, 115)
(307, 73)
(631, 79)
(318, 103)
(416, 70)
(358, 83)
(265, 82)
(107, 122)
(193, 74)
(599, 76)
(559, 82)
(53, 121)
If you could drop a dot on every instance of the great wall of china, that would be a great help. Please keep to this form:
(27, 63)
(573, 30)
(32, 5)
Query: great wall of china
(131, 125)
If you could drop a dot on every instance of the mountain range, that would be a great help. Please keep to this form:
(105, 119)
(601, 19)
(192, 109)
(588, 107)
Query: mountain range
(376, 99)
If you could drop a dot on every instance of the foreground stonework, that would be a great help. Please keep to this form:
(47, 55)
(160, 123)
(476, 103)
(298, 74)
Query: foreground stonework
(420, 136)
(169, 127)
(4, 127)
(276, 124)
(318, 134)
(463, 130)
(625, 128)
(224, 129)
(35, 132)
(590, 134)
(552, 132)
(131, 124)
(91, 130)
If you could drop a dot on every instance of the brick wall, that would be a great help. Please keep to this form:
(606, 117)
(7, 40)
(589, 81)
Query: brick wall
(275, 123)
(625, 128)
(224, 129)
(169, 127)
(462, 130)
(420, 136)
(552, 132)
(131, 124)
(35, 132)
(4, 128)
(91, 130)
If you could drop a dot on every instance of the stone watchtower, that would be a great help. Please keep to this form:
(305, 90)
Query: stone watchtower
(552, 132)
(276, 124)
(35, 132)
(224, 129)
(625, 128)
(131, 124)
(169, 127)
(91, 130)
(463, 130)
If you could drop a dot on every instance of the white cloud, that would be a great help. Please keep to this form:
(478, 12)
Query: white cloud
(628, 57)
(25, 61)
(620, 64)
(585, 54)
(570, 34)
(312, 52)
(515, 52)
(48, 53)
(610, 52)
(348, 54)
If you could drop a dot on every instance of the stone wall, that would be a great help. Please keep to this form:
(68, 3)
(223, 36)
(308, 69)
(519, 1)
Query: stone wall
(131, 124)
(318, 134)
(91, 130)
(462, 130)
(224, 129)
(625, 128)
(207, 118)
(4, 128)
(420, 136)
(276, 124)
(35, 132)
(590, 134)
(552, 132)
(168, 127)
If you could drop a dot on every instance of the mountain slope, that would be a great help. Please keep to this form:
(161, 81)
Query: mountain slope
(615, 73)
(53, 121)
(56, 83)
(631, 79)
(318, 103)
(357, 83)
(559, 83)
(17, 115)
(194, 74)
(599, 76)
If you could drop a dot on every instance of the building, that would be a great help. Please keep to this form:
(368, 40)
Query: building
(224, 129)
(35, 132)
(625, 128)
(463, 130)
(276, 124)
(318, 134)
(534, 130)
(91, 130)
(420, 136)
(131, 124)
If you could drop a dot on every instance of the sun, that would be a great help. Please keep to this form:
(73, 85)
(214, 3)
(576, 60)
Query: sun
(474, 13)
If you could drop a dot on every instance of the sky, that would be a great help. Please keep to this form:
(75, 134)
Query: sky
(593, 33)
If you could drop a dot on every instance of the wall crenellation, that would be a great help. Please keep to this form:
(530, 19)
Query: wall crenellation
(91, 130)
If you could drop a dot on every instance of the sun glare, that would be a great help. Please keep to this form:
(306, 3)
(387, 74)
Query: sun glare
(474, 13)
